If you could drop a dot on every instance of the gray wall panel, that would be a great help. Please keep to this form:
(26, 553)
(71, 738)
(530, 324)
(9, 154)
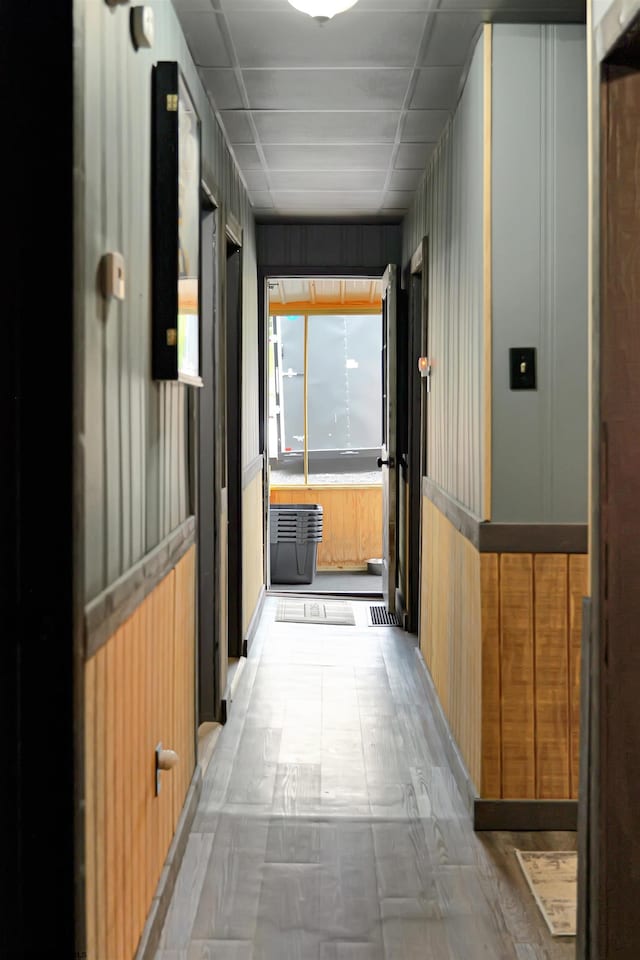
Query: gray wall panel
(540, 272)
(326, 245)
(134, 430)
(449, 209)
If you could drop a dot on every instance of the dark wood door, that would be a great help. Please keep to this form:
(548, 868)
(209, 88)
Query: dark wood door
(613, 876)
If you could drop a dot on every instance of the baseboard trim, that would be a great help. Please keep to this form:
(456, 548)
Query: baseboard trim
(525, 815)
(150, 939)
(252, 629)
(459, 770)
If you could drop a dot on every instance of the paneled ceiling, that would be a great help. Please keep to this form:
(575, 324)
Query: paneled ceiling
(340, 118)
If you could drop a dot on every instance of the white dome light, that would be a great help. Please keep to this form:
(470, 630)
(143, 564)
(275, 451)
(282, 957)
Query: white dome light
(322, 9)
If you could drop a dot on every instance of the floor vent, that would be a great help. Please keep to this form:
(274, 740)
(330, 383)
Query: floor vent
(380, 617)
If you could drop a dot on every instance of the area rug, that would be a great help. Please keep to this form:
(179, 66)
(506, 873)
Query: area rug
(338, 612)
(553, 881)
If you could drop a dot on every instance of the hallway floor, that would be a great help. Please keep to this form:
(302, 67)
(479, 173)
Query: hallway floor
(330, 827)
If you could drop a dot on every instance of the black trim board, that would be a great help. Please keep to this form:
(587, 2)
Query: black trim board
(489, 537)
(114, 605)
(150, 939)
(525, 815)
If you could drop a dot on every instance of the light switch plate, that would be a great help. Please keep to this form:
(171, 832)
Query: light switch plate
(522, 368)
(113, 284)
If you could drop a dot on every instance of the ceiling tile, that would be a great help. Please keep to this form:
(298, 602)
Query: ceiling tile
(413, 156)
(437, 88)
(326, 202)
(451, 36)
(206, 43)
(261, 199)
(325, 127)
(247, 157)
(328, 180)
(255, 179)
(424, 126)
(397, 200)
(324, 89)
(405, 179)
(182, 6)
(224, 90)
(237, 126)
(385, 39)
(374, 156)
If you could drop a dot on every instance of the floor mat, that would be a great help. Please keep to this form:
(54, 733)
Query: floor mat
(553, 881)
(339, 612)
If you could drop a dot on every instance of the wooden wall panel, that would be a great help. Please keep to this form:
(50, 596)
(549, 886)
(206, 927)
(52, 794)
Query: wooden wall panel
(517, 662)
(139, 691)
(448, 208)
(578, 589)
(133, 430)
(551, 675)
(491, 783)
(252, 562)
(451, 632)
(352, 530)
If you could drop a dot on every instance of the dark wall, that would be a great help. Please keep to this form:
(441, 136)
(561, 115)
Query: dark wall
(36, 490)
(328, 246)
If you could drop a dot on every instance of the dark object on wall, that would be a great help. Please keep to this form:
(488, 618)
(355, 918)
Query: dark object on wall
(522, 368)
(175, 228)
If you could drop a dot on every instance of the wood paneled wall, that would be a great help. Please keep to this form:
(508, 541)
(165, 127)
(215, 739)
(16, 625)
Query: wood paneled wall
(450, 629)
(139, 691)
(352, 523)
(253, 549)
(133, 431)
(449, 209)
(531, 608)
(501, 635)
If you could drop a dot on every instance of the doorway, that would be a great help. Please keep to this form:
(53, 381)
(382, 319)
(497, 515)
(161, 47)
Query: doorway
(323, 434)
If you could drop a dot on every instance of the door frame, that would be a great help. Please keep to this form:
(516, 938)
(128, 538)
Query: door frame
(234, 406)
(207, 486)
(610, 711)
(418, 313)
(264, 276)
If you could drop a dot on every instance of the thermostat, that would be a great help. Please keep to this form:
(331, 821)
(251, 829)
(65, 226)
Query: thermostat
(142, 26)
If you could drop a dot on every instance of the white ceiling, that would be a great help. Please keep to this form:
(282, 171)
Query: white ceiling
(340, 119)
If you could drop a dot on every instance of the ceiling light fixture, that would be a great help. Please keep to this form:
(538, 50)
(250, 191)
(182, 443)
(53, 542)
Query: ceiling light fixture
(322, 10)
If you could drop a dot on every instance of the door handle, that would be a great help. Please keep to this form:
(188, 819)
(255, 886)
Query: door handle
(386, 463)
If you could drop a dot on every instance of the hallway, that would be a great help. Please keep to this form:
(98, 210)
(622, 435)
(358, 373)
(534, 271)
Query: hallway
(329, 826)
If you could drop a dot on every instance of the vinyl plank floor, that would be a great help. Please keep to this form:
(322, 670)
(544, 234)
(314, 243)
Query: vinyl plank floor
(330, 827)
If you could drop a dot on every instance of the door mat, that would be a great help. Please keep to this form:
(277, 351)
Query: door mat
(553, 881)
(338, 612)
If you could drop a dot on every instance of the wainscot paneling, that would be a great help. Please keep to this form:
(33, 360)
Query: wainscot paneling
(139, 692)
(451, 630)
(253, 556)
(501, 636)
(352, 522)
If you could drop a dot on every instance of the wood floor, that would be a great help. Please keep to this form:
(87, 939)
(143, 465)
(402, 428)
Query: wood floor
(330, 827)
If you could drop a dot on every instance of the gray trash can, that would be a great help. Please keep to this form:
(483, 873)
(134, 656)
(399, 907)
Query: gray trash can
(295, 532)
